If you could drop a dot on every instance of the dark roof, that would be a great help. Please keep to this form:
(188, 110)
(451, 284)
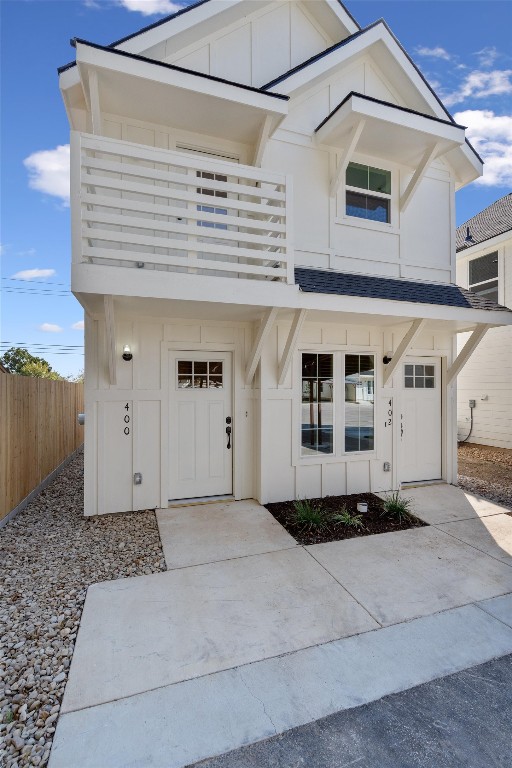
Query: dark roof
(494, 220)
(369, 287)
(174, 67)
(386, 104)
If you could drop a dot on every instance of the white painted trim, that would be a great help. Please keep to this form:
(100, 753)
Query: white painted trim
(94, 95)
(110, 329)
(403, 348)
(345, 157)
(266, 325)
(465, 353)
(263, 137)
(418, 175)
(291, 344)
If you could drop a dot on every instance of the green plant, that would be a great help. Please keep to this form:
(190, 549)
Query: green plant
(9, 716)
(347, 518)
(308, 515)
(398, 506)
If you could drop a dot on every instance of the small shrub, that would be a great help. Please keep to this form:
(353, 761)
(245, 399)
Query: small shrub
(345, 517)
(398, 506)
(9, 716)
(309, 516)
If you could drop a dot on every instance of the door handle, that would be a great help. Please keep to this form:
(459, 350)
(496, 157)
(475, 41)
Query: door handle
(228, 433)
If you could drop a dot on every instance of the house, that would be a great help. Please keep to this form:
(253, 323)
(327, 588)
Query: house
(263, 241)
(484, 387)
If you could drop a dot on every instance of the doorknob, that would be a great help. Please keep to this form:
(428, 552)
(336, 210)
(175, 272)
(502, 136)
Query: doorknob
(228, 433)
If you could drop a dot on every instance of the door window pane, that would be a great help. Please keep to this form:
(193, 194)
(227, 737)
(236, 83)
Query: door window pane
(317, 409)
(419, 376)
(200, 374)
(359, 402)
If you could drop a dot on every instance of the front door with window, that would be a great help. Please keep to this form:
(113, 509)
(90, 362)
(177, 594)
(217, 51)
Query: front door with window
(420, 422)
(200, 416)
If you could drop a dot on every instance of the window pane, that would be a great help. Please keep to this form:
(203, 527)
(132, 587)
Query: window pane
(200, 382)
(409, 382)
(359, 408)
(429, 383)
(184, 382)
(185, 366)
(357, 175)
(419, 382)
(200, 367)
(380, 181)
(409, 370)
(356, 205)
(483, 268)
(429, 370)
(419, 370)
(317, 410)
(215, 382)
(215, 368)
(487, 290)
(377, 209)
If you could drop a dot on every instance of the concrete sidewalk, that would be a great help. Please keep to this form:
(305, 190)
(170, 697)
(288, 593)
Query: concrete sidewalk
(248, 634)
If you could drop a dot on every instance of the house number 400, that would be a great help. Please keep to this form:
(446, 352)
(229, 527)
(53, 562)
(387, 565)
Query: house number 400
(127, 419)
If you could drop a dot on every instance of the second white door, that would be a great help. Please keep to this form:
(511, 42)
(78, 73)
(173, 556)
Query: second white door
(420, 422)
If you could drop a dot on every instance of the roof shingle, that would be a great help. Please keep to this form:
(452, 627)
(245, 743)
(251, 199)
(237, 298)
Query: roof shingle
(370, 287)
(491, 222)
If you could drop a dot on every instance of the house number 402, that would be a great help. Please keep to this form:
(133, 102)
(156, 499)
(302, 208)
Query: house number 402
(127, 419)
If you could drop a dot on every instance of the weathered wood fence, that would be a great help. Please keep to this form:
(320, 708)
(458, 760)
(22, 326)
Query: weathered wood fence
(38, 431)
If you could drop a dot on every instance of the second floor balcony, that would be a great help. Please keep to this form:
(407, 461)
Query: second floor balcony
(135, 206)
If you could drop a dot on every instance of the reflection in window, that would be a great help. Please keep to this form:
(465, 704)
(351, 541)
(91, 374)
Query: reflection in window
(214, 193)
(483, 276)
(364, 206)
(359, 402)
(317, 404)
(199, 374)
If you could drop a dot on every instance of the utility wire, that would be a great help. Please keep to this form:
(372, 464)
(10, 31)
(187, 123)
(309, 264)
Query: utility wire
(41, 282)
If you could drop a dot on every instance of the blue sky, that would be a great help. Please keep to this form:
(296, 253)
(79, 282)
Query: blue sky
(463, 47)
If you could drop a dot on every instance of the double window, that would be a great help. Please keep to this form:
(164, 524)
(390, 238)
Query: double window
(334, 415)
(374, 202)
(483, 276)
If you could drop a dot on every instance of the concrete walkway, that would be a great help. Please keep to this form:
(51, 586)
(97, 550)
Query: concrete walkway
(248, 634)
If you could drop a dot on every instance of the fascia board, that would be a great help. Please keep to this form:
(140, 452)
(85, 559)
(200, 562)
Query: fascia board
(343, 15)
(484, 246)
(472, 162)
(89, 278)
(69, 78)
(377, 111)
(100, 59)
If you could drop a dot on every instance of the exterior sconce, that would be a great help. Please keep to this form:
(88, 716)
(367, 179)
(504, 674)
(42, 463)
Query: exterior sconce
(387, 358)
(127, 353)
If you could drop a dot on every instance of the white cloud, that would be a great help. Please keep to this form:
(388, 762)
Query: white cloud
(79, 326)
(479, 85)
(50, 328)
(151, 7)
(487, 56)
(48, 171)
(31, 274)
(434, 53)
(491, 135)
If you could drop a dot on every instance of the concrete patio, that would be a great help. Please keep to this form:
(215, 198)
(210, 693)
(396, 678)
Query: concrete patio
(248, 634)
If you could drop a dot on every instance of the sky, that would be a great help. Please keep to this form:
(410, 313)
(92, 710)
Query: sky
(463, 47)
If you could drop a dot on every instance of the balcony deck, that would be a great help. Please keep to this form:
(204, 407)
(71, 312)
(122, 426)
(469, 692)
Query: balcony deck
(136, 206)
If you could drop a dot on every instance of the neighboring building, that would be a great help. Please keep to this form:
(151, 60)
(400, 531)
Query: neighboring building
(263, 240)
(484, 265)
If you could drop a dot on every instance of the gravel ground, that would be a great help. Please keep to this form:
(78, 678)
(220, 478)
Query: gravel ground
(486, 471)
(50, 554)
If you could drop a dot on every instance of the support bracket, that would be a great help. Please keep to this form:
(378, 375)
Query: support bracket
(110, 329)
(403, 348)
(94, 95)
(263, 137)
(291, 344)
(266, 325)
(345, 158)
(465, 353)
(418, 175)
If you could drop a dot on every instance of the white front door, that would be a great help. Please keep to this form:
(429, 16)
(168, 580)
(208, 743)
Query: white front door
(420, 422)
(200, 411)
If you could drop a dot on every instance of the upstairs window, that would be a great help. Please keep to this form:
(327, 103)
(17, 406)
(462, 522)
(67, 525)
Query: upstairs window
(374, 206)
(483, 276)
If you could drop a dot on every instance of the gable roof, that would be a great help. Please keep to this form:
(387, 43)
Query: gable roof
(494, 220)
(393, 289)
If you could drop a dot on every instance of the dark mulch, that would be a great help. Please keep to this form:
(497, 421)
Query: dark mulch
(375, 520)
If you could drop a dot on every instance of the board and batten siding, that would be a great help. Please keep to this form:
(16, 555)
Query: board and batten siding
(487, 377)
(39, 430)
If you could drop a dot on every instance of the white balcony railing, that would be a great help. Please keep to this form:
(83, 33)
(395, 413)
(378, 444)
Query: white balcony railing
(178, 211)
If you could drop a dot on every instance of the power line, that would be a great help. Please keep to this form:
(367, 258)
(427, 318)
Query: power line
(41, 282)
(37, 344)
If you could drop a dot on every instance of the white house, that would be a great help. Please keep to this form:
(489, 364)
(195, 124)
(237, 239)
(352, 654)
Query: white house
(262, 202)
(484, 265)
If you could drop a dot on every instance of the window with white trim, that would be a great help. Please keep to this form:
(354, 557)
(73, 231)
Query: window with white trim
(374, 203)
(483, 276)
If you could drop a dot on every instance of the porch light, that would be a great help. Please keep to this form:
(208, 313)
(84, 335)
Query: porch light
(127, 353)
(387, 358)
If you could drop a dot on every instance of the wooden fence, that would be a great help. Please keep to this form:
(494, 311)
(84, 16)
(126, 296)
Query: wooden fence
(38, 430)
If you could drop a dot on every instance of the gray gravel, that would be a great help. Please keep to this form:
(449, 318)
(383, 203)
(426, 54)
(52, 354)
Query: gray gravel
(50, 554)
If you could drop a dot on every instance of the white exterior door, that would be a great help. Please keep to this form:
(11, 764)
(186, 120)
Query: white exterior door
(200, 411)
(420, 422)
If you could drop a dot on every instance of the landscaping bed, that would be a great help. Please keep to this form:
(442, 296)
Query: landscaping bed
(486, 471)
(333, 518)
